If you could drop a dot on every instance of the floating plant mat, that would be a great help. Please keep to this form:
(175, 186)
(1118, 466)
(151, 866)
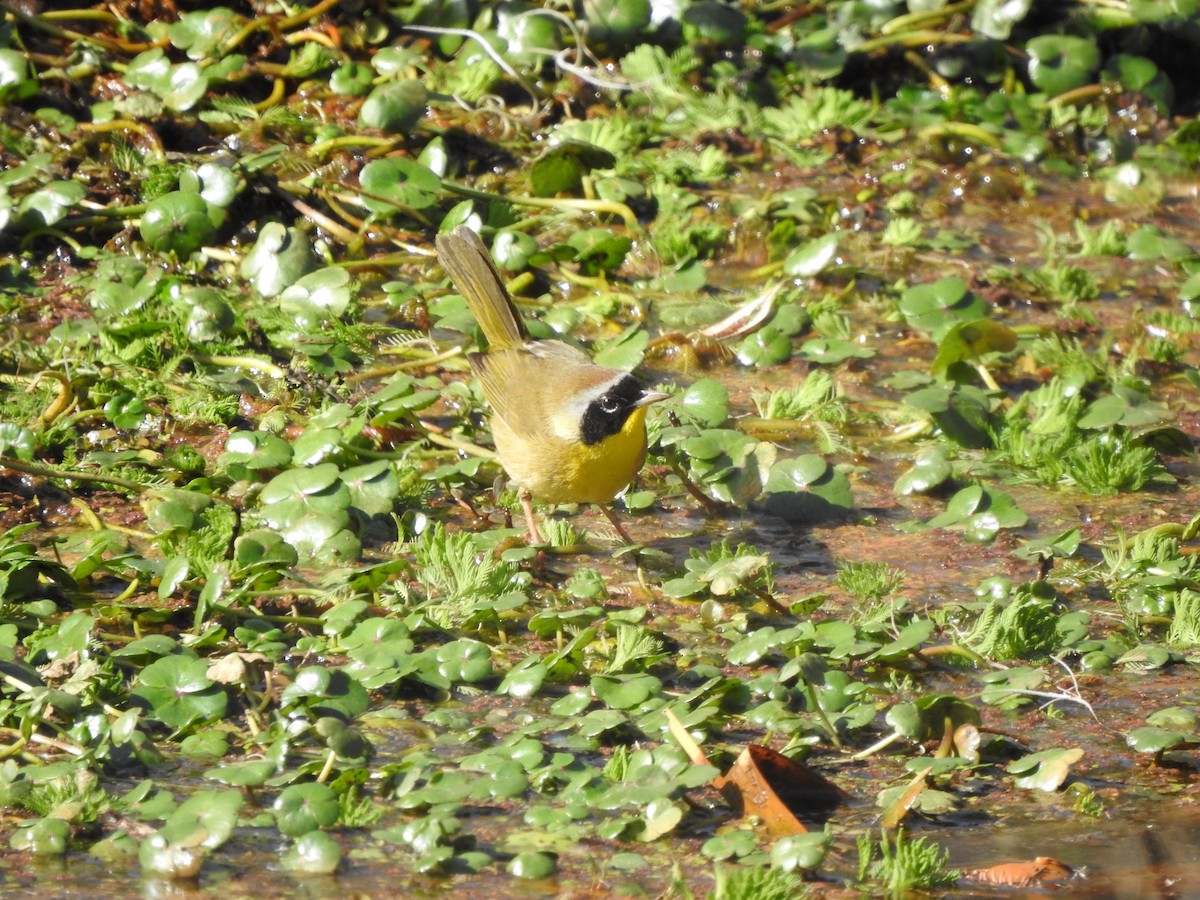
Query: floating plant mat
(916, 579)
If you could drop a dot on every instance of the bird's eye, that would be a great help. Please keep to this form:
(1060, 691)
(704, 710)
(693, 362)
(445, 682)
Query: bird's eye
(609, 405)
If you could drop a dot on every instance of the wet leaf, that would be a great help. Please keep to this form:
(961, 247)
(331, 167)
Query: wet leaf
(766, 347)
(626, 691)
(806, 488)
(48, 205)
(314, 853)
(968, 341)
(939, 306)
(302, 808)
(1045, 771)
(560, 169)
(279, 258)
(705, 403)
(1042, 870)
(394, 106)
(812, 258)
(396, 185)
(178, 691)
(996, 18)
(777, 790)
(532, 865)
(930, 470)
(42, 837)
(1061, 62)
(598, 250)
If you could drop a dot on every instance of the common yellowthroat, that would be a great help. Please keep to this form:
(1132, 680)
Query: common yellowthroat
(566, 429)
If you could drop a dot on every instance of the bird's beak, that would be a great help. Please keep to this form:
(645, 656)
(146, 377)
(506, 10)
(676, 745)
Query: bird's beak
(651, 397)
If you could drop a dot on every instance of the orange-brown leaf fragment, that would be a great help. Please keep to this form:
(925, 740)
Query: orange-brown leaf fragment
(685, 740)
(1042, 870)
(895, 813)
(777, 790)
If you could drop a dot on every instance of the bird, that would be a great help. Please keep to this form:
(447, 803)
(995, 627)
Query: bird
(566, 430)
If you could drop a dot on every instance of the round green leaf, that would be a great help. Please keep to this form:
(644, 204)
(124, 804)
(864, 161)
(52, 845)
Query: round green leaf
(812, 258)
(394, 185)
(1061, 62)
(766, 347)
(179, 692)
(301, 808)
(280, 257)
(42, 837)
(314, 853)
(178, 223)
(930, 470)
(352, 79)
(532, 865)
(395, 106)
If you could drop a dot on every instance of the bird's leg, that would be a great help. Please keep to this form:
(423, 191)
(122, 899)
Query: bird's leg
(527, 506)
(616, 523)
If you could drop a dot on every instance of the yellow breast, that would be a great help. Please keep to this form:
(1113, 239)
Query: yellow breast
(558, 470)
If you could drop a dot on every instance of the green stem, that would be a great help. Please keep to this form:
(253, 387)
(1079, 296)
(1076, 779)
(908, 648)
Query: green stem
(596, 206)
(92, 477)
(810, 693)
(241, 362)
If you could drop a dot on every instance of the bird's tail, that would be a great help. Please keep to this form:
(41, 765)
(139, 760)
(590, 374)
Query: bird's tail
(466, 259)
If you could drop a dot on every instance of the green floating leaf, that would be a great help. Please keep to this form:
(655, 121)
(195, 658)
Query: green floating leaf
(16, 441)
(1060, 546)
(806, 489)
(996, 18)
(625, 691)
(206, 819)
(925, 718)
(714, 23)
(16, 78)
(831, 351)
(280, 257)
(178, 692)
(598, 251)
(318, 296)
(766, 347)
(704, 403)
(179, 87)
(560, 169)
(256, 450)
(160, 856)
(1149, 243)
(1061, 62)
(326, 692)
(314, 853)
(937, 307)
(178, 223)
(203, 33)
(533, 865)
(42, 837)
(302, 808)
(961, 411)
(465, 661)
(930, 470)
(352, 79)
(394, 106)
(1045, 771)
(800, 851)
(812, 258)
(50, 204)
(980, 512)
(398, 185)
(968, 341)
(531, 39)
(1156, 739)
